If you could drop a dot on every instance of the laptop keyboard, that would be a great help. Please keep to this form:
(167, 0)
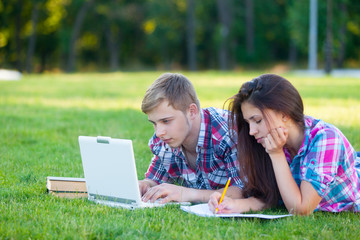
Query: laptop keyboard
(153, 204)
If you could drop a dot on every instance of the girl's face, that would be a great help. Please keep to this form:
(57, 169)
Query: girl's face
(260, 125)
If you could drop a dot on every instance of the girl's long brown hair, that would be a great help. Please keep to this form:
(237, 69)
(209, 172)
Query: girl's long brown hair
(268, 91)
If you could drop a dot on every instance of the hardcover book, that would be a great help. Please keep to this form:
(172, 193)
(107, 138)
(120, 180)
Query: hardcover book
(66, 187)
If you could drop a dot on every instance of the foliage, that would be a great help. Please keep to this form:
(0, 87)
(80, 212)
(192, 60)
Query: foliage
(42, 116)
(149, 34)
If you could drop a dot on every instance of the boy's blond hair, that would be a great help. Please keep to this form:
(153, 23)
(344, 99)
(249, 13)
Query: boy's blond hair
(173, 87)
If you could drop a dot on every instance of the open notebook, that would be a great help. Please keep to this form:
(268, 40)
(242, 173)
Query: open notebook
(110, 172)
(203, 211)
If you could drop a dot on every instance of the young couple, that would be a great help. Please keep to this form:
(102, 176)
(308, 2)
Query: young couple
(270, 149)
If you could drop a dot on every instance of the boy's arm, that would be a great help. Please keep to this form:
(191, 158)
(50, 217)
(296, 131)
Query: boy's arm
(171, 192)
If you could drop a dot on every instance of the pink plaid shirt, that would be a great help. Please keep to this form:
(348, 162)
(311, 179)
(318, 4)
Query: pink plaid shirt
(328, 161)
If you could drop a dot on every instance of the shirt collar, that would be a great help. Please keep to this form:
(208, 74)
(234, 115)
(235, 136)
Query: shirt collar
(203, 125)
(308, 122)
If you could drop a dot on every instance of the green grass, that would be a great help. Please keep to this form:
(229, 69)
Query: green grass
(41, 117)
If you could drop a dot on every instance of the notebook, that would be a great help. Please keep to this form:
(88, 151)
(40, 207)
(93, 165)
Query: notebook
(110, 172)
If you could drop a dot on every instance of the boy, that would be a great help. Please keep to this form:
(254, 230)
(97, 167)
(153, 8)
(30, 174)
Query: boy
(191, 146)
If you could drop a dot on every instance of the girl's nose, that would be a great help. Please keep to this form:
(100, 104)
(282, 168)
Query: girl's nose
(252, 130)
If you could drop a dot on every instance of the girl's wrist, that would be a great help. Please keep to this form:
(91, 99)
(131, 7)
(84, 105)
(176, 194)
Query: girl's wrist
(276, 155)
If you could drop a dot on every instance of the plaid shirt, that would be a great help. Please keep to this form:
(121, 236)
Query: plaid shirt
(216, 156)
(328, 161)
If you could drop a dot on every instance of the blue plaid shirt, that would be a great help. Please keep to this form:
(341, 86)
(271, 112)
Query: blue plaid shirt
(216, 156)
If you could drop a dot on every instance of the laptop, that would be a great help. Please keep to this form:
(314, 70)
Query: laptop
(110, 172)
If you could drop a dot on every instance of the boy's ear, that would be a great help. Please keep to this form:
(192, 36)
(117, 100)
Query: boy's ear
(193, 110)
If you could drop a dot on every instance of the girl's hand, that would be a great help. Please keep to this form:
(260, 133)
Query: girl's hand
(228, 205)
(275, 140)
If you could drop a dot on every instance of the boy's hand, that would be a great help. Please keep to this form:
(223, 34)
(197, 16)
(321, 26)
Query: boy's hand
(167, 192)
(145, 185)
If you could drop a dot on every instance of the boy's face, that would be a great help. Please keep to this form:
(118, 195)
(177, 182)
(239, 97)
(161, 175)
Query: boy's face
(171, 126)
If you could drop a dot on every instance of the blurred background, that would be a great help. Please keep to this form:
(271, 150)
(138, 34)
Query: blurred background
(133, 35)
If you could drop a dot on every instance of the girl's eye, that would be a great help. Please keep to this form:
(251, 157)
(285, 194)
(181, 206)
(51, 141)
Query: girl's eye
(258, 121)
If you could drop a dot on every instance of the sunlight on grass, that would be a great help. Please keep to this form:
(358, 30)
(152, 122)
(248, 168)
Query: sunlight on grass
(87, 103)
(42, 116)
(335, 111)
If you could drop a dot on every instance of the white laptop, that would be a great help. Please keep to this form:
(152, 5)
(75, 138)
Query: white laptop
(110, 172)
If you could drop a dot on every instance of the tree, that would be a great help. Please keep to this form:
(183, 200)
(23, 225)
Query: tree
(76, 32)
(190, 36)
(249, 23)
(313, 30)
(32, 40)
(225, 18)
(342, 35)
(165, 29)
(329, 38)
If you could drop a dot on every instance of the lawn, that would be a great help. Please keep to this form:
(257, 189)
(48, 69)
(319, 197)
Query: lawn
(43, 115)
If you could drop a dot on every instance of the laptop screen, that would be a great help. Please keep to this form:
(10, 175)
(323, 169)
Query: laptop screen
(109, 169)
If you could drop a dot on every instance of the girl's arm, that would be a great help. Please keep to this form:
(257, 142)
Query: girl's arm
(301, 201)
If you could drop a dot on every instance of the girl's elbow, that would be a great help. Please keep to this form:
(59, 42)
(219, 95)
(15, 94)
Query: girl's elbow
(301, 211)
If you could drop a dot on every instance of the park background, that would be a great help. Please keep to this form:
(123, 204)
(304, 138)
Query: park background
(112, 35)
(86, 65)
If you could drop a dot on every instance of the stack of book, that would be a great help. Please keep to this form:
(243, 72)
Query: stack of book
(67, 187)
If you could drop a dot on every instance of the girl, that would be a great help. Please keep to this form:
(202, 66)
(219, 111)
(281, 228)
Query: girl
(284, 155)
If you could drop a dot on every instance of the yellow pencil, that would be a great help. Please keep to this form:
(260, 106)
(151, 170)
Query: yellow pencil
(223, 194)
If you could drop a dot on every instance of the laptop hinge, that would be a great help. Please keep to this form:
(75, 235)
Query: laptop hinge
(112, 199)
(101, 139)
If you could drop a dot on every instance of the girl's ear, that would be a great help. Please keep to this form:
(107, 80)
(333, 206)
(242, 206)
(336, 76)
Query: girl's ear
(285, 118)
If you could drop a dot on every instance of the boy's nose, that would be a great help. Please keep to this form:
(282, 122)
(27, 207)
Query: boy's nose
(160, 131)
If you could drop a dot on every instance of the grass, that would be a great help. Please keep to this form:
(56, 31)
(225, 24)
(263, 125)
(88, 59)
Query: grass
(42, 116)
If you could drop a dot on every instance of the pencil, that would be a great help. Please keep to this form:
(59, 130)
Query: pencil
(224, 192)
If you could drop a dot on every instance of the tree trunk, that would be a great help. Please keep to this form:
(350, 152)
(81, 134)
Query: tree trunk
(292, 54)
(32, 40)
(225, 22)
(75, 34)
(328, 44)
(190, 27)
(313, 35)
(112, 42)
(342, 36)
(17, 35)
(249, 22)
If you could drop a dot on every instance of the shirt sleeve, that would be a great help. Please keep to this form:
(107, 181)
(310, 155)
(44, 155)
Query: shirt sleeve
(321, 163)
(232, 169)
(231, 162)
(156, 171)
